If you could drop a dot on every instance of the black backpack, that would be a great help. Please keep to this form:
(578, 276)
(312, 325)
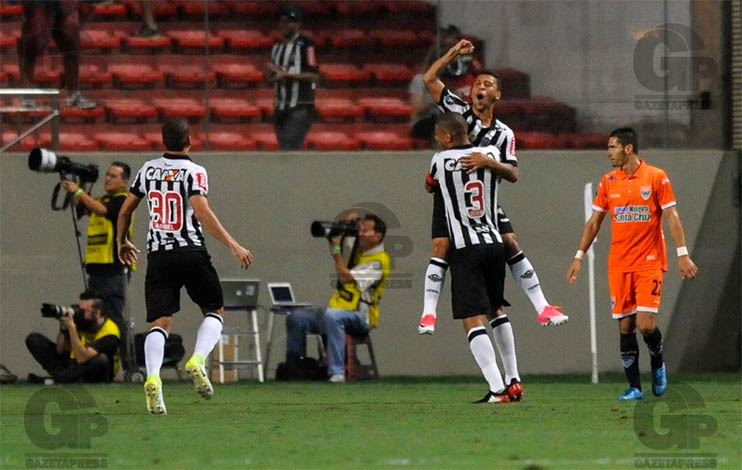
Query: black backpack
(303, 368)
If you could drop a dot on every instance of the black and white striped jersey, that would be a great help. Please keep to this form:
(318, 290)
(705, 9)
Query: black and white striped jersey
(167, 183)
(294, 56)
(498, 134)
(470, 199)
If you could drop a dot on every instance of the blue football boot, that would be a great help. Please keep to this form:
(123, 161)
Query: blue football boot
(631, 394)
(659, 381)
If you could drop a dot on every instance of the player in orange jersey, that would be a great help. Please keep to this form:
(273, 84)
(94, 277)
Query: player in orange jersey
(638, 197)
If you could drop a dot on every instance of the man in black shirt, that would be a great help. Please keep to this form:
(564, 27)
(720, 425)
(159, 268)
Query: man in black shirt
(293, 70)
(87, 345)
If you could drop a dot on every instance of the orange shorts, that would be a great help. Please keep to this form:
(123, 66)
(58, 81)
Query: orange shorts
(635, 291)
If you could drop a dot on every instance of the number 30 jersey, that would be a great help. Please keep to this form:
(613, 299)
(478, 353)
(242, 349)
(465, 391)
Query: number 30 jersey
(470, 198)
(167, 183)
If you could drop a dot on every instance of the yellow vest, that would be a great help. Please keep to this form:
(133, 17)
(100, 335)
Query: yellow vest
(101, 243)
(349, 297)
(109, 327)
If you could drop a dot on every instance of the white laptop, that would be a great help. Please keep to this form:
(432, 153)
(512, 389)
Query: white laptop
(282, 295)
(240, 294)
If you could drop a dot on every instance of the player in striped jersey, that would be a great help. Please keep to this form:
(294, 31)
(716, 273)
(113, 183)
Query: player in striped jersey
(175, 189)
(477, 258)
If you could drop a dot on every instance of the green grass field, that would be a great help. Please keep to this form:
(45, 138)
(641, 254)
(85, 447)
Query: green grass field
(563, 422)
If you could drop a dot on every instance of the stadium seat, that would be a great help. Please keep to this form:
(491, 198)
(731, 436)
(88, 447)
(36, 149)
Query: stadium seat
(28, 142)
(354, 370)
(260, 9)
(93, 76)
(350, 38)
(129, 109)
(197, 9)
(231, 108)
(195, 40)
(161, 10)
(386, 107)
(384, 140)
(69, 141)
(390, 72)
(267, 106)
(237, 74)
(330, 140)
(266, 140)
(8, 10)
(154, 137)
(109, 11)
(187, 75)
(317, 8)
(396, 37)
(357, 7)
(238, 39)
(8, 40)
(43, 76)
(99, 39)
(96, 114)
(337, 108)
(12, 72)
(121, 141)
(224, 140)
(147, 44)
(417, 7)
(4, 79)
(179, 107)
(135, 75)
(343, 73)
(539, 140)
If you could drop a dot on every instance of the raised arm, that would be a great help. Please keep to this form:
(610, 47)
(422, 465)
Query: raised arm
(688, 268)
(434, 84)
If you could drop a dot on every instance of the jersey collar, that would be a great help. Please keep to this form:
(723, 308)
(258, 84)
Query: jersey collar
(176, 156)
(639, 171)
(372, 251)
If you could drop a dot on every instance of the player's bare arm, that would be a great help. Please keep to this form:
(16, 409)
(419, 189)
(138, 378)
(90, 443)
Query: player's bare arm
(688, 268)
(434, 84)
(211, 223)
(592, 227)
(127, 251)
(477, 160)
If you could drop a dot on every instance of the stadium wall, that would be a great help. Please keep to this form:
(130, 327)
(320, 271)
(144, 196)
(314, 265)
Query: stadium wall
(268, 202)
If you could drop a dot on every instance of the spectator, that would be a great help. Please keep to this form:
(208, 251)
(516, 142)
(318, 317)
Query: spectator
(149, 27)
(293, 70)
(354, 307)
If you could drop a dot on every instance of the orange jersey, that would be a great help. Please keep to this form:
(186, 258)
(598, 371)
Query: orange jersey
(635, 204)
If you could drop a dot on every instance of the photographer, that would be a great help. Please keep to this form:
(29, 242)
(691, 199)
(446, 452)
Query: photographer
(87, 344)
(106, 274)
(354, 307)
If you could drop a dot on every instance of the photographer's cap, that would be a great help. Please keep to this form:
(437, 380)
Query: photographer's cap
(290, 12)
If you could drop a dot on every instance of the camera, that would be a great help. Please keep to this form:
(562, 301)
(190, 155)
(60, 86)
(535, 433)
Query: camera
(59, 311)
(326, 229)
(46, 161)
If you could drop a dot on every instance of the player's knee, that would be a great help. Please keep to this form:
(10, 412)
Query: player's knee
(440, 248)
(162, 322)
(646, 329)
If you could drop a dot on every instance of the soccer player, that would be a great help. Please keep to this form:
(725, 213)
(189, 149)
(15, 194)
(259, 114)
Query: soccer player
(477, 259)
(638, 196)
(176, 188)
(484, 130)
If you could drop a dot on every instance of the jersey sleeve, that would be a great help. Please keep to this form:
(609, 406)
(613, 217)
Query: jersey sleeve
(450, 102)
(507, 149)
(600, 203)
(137, 187)
(309, 59)
(434, 170)
(663, 190)
(198, 182)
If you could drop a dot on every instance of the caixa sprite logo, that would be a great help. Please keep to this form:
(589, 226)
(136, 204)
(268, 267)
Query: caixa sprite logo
(58, 417)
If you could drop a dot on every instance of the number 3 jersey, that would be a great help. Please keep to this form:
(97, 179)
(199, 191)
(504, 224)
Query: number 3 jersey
(167, 183)
(470, 198)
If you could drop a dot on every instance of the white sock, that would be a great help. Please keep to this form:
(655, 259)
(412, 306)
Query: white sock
(484, 354)
(435, 276)
(527, 279)
(208, 334)
(154, 350)
(502, 333)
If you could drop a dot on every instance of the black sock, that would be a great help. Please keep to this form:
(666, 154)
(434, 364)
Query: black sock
(630, 359)
(654, 343)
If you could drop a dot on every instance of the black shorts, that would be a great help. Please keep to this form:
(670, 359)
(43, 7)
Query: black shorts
(168, 272)
(439, 226)
(477, 280)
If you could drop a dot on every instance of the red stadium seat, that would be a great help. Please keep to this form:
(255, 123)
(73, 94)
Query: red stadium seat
(237, 74)
(253, 8)
(334, 108)
(195, 39)
(4, 79)
(99, 39)
(266, 140)
(386, 107)
(148, 44)
(187, 75)
(135, 75)
(12, 72)
(122, 141)
(8, 11)
(196, 8)
(343, 73)
(129, 109)
(245, 39)
(8, 40)
(28, 142)
(396, 38)
(539, 140)
(72, 142)
(96, 114)
(161, 10)
(109, 11)
(350, 38)
(316, 8)
(92, 75)
(179, 107)
(231, 108)
(154, 137)
(266, 105)
(357, 7)
(331, 140)
(417, 7)
(224, 140)
(43, 76)
(390, 72)
(384, 140)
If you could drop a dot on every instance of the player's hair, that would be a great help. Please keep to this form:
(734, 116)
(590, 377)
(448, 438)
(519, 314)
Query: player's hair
(498, 80)
(454, 124)
(123, 166)
(379, 225)
(626, 136)
(96, 297)
(175, 134)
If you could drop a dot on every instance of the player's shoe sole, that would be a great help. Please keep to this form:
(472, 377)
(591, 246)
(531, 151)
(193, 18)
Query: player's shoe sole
(427, 325)
(202, 383)
(515, 390)
(153, 397)
(492, 397)
(552, 315)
